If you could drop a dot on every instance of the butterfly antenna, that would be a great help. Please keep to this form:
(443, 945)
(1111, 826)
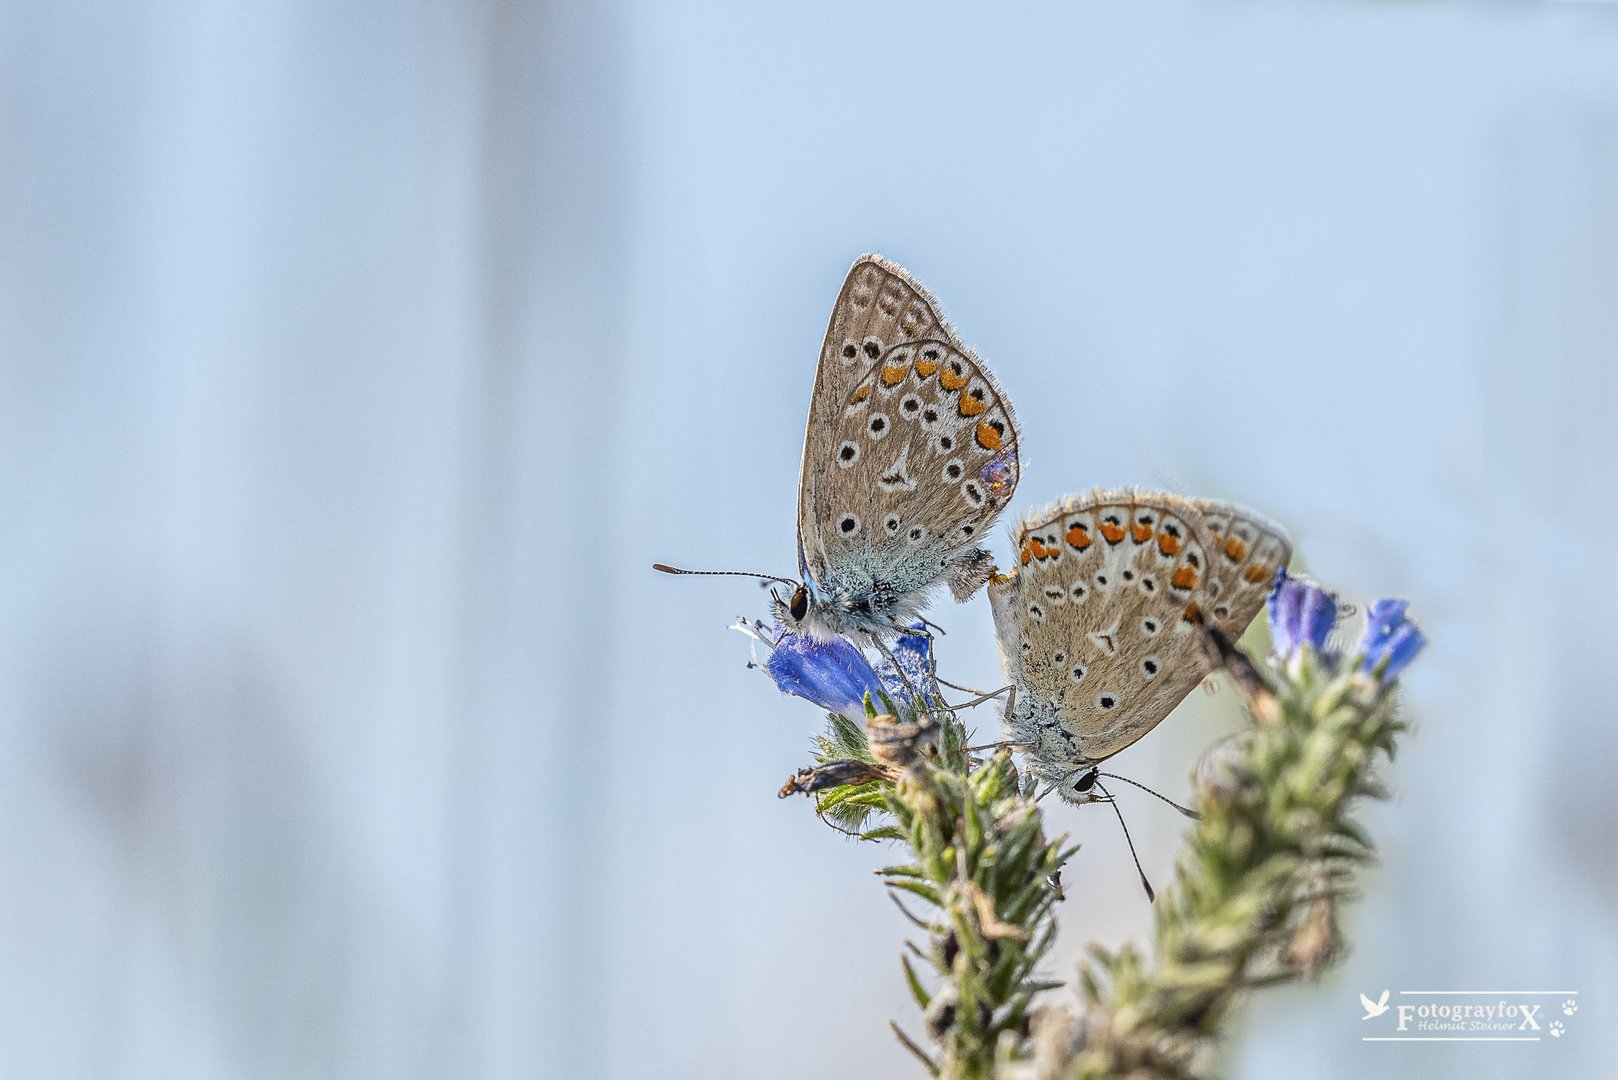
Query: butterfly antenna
(1151, 897)
(1187, 811)
(721, 573)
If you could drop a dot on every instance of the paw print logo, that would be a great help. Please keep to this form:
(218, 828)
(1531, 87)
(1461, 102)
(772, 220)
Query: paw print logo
(1569, 1007)
(1557, 1027)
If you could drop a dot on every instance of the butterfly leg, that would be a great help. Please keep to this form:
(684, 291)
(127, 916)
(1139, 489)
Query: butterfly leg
(1010, 691)
(965, 689)
(1011, 700)
(1011, 696)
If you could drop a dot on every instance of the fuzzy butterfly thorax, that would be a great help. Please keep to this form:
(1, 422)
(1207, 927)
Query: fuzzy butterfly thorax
(1096, 620)
(909, 457)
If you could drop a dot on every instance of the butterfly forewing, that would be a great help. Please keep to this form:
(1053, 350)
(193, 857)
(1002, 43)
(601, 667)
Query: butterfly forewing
(878, 307)
(911, 452)
(1093, 622)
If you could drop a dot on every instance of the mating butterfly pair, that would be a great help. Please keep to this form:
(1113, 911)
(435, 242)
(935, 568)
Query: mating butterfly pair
(911, 453)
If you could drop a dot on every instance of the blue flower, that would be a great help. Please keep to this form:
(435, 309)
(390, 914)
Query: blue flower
(834, 674)
(1391, 640)
(910, 651)
(1301, 613)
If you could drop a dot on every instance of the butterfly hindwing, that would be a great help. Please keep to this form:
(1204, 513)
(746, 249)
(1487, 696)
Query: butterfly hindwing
(1093, 622)
(1245, 550)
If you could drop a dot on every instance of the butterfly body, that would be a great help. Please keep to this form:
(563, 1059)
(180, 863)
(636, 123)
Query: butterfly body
(1096, 621)
(909, 456)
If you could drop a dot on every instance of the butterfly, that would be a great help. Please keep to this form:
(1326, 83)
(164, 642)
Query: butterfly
(909, 457)
(1097, 622)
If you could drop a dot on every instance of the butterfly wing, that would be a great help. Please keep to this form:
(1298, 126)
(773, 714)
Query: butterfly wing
(911, 449)
(1094, 622)
(1245, 550)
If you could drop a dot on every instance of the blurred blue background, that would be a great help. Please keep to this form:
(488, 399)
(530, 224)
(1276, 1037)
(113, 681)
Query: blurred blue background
(359, 358)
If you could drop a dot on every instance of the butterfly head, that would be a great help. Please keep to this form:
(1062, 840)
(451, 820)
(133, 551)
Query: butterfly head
(791, 611)
(1080, 787)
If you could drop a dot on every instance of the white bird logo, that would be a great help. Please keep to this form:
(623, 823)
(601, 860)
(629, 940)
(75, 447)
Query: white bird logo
(1374, 1008)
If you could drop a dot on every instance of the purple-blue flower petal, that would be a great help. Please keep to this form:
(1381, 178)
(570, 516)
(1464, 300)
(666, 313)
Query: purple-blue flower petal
(1301, 613)
(910, 651)
(1391, 639)
(1386, 611)
(833, 674)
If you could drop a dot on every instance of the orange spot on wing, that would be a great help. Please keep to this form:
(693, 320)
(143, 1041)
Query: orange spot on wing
(925, 368)
(971, 406)
(1112, 532)
(863, 392)
(1040, 550)
(949, 380)
(1235, 550)
(988, 436)
(1192, 611)
(893, 376)
(1079, 537)
(1184, 578)
(1167, 544)
(1027, 553)
(1141, 533)
(1258, 574)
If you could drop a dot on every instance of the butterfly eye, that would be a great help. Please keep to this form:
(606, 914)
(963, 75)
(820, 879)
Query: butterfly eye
(1085, 782)
(800, 603)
